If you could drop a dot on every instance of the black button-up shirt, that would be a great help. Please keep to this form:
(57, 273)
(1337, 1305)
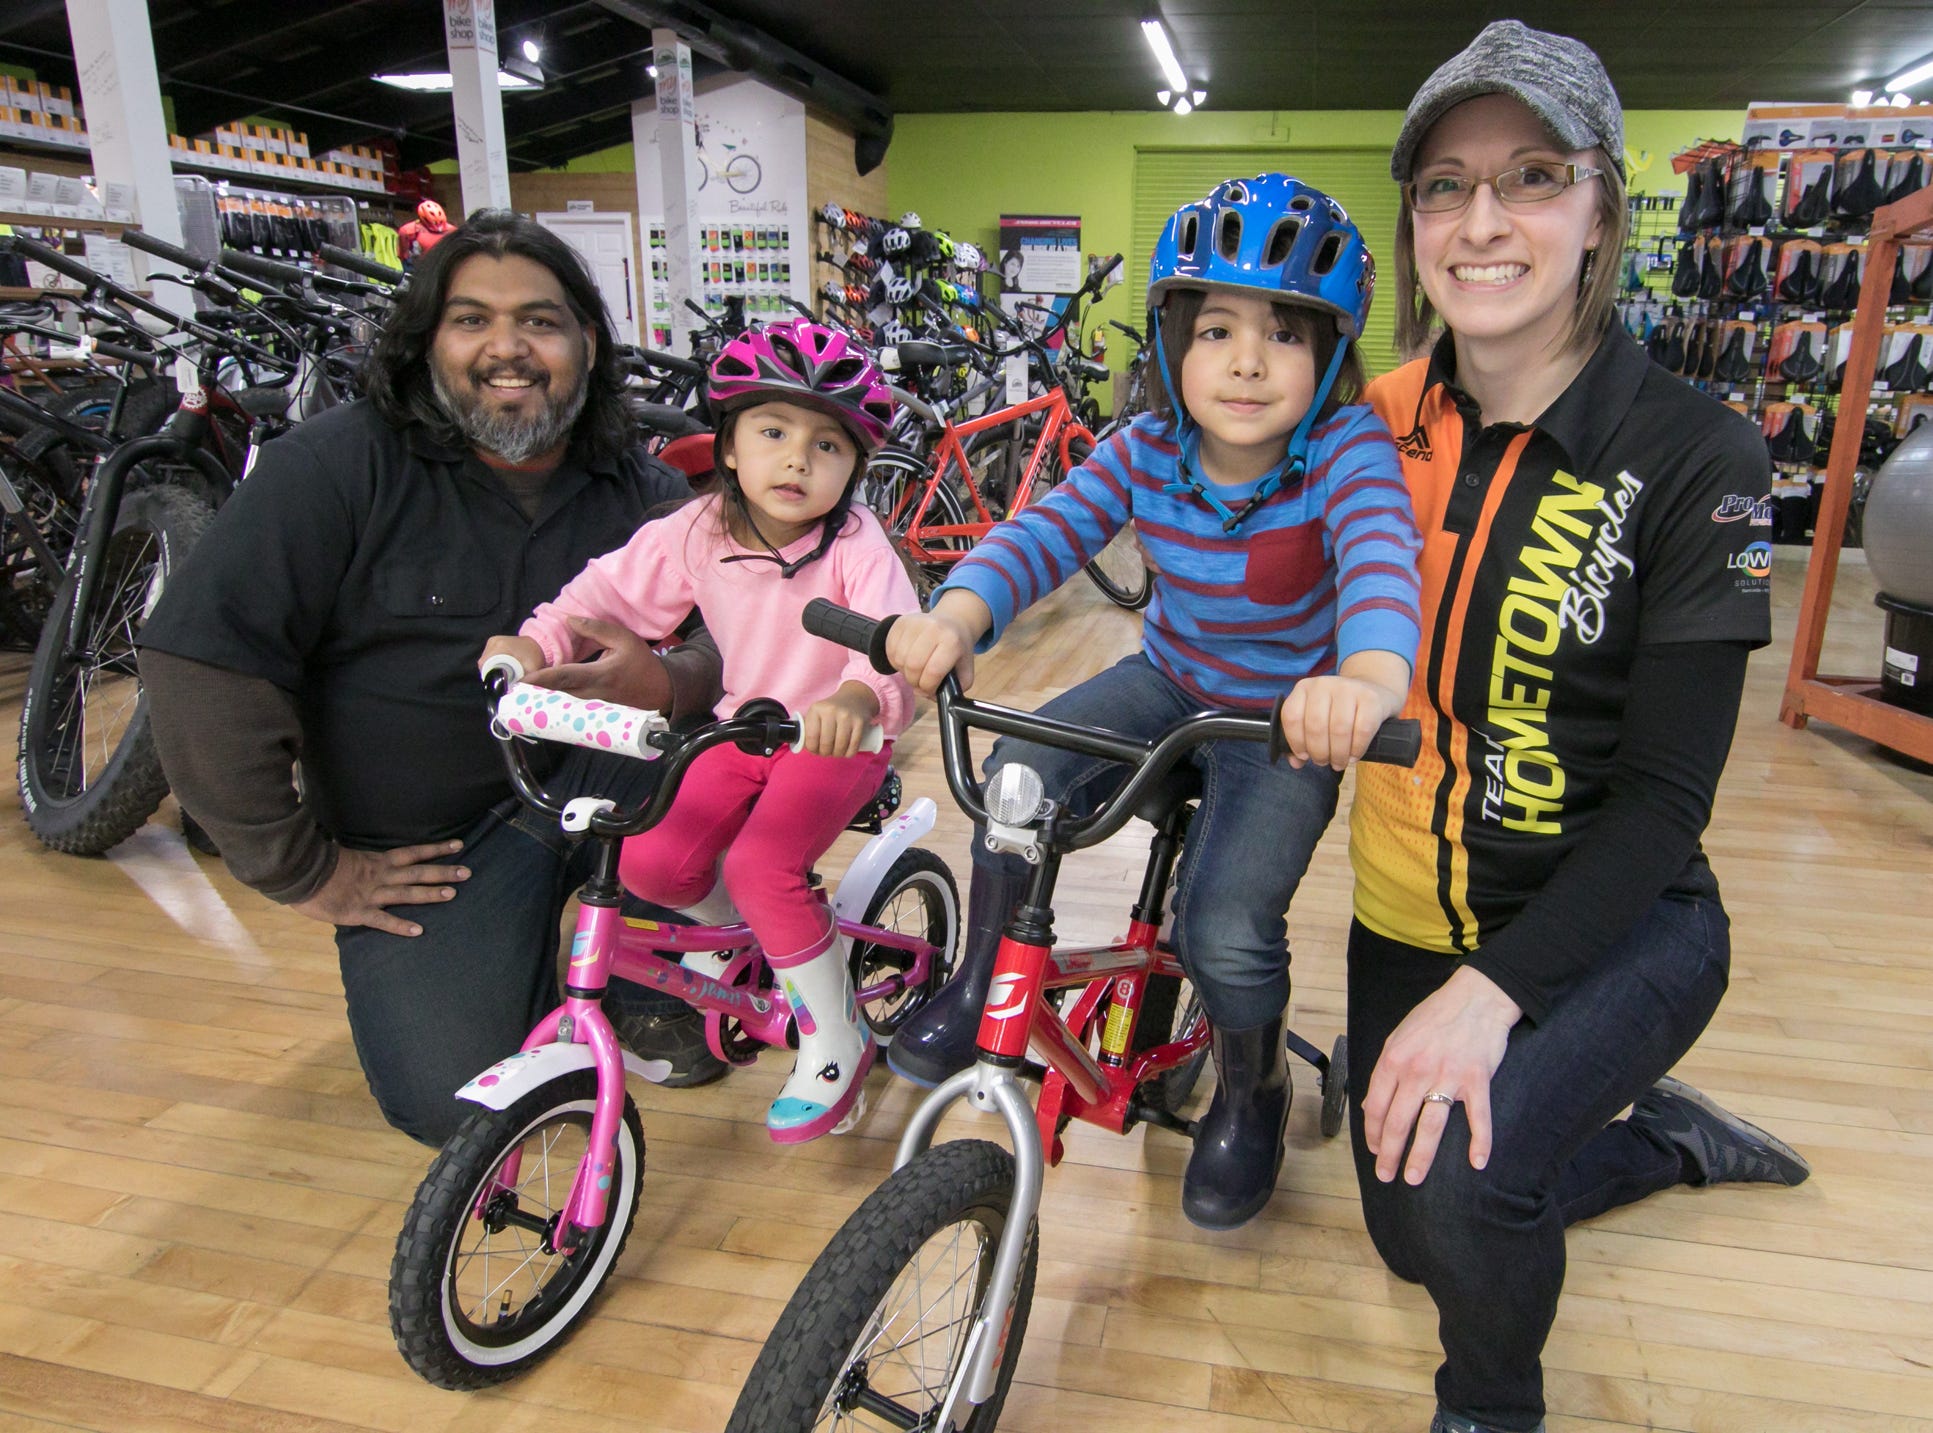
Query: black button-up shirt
(361, 569)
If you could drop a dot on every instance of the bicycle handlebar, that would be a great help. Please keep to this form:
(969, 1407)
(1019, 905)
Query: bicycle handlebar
(87, 278)
(520, 712)
(357, 263)
(162, 249)
(255, 266)
(1398, 742)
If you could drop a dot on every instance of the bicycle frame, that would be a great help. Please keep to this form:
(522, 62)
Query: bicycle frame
(1058, 433)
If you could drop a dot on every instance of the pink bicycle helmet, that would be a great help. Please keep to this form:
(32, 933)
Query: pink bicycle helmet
(802, 361)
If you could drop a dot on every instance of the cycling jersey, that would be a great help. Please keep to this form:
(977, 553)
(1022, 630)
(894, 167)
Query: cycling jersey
(1634, 512)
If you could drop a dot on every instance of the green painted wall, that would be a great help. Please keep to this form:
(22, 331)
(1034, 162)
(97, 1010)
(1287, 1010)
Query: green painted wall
(960, 172)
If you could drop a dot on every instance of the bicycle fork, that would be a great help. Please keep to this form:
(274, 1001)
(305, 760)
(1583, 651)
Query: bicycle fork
(993, 1087)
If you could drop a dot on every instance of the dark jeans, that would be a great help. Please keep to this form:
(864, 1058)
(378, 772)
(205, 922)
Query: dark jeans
(1247, 848)
(428, 1012)
(1489, 1244)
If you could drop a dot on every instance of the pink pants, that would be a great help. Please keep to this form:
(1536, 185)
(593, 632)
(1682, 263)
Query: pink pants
(777, 815)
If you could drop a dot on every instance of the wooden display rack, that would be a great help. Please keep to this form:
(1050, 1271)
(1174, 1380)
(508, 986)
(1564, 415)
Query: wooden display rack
(1853, 702)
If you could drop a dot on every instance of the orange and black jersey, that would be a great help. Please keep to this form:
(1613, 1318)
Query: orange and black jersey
(1625, 531)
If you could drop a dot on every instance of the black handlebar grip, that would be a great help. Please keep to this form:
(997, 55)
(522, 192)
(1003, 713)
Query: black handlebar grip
(671, 363)
(127, 355)
(1101, 271)
(362, 264)
(850, 629)
(258, 267)
(162, 249)
(55, 260)
(1397, 742)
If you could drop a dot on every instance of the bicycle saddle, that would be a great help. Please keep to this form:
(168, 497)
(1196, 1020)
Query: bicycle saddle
(265, 402)
(922, 353)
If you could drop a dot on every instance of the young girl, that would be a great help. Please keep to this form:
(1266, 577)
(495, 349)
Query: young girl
(800, 405)
(1275, 513)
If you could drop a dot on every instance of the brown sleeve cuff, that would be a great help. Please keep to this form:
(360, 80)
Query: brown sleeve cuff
(228, 744)
(697, 675)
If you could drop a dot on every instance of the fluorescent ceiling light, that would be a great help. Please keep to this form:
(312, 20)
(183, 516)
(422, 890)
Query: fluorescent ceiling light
(1902, 101)
(1164, 55)
(1906, 79)
(1861, 98)
(1184, 105)
(439, 81)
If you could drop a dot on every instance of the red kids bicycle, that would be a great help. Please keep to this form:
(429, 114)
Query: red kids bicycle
(914, 1315)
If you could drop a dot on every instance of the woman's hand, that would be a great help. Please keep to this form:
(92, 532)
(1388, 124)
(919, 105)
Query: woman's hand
(529, 655)
(1450, 1044)
(836, 725)
(925, 646)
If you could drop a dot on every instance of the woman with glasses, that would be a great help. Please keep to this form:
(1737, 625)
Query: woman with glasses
(1538, 937)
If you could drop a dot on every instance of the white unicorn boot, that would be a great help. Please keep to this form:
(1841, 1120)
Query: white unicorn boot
(835, 1050)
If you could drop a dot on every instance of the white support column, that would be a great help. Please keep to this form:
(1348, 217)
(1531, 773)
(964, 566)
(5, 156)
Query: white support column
(674, 119)
(114, 55)
(470, 29)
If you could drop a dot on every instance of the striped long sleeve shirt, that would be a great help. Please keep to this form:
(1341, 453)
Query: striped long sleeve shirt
(1324, 569)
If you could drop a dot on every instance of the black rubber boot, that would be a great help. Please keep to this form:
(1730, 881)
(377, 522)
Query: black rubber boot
(941, 1038)
(1238, 1149)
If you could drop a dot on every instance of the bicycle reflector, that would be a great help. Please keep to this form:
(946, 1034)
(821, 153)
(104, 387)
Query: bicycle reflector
(1014, 797)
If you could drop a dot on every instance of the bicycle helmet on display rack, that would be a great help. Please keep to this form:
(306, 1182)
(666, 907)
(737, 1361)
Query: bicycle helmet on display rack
(895, 241)
(968, 256)
(799, 361)
(911, 220)
(1282, 240)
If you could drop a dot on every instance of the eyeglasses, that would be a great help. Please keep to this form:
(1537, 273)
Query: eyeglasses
(1528, 184)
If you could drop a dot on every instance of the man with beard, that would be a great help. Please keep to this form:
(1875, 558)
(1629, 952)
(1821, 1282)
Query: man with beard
(332, 617)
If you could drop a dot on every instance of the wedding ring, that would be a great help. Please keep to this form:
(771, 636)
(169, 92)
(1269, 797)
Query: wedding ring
(1437, 1097)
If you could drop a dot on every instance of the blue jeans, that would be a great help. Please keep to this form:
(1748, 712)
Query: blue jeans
(1489, 1244)
(1247, 848)
(428, 1012)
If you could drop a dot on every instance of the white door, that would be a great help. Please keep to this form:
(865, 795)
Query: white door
(603, 241)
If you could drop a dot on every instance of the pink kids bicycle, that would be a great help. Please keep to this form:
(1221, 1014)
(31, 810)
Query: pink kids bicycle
(525, 1210)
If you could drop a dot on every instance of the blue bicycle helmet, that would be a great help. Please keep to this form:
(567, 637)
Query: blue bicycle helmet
(1273, 234)
(1279, 238)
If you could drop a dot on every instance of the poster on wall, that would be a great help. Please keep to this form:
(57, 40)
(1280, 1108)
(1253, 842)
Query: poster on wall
(752, 225)
(1041, 253)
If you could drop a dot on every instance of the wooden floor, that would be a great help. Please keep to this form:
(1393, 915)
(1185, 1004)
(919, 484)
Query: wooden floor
(198, 1201)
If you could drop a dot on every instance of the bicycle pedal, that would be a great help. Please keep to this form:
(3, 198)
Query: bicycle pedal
(853, 1116)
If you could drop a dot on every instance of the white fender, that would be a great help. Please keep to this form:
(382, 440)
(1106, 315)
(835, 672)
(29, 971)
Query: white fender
(508, 1081)
(861, 881)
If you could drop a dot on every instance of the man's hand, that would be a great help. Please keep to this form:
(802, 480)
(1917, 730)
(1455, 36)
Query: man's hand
(1450, 1044)
(625, 669)
(529, 655)
(365, 883)
(924, 647)
(836, 725)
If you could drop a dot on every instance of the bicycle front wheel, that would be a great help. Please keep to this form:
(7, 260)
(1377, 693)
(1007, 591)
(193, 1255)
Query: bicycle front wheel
(480, 1288)
(89, 774)
(877, 1330)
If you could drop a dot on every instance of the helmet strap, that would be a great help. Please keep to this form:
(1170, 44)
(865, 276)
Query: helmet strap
(1294, 461)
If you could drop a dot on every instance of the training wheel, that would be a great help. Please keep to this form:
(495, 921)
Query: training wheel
(1335, 1088)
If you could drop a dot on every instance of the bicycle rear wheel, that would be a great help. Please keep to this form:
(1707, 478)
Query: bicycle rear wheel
(1171, 1010)
(917, 898)
(876, 1332)
(89, 774)
(1121, 573)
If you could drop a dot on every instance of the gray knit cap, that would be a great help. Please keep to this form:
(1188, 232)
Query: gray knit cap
(1559, 79)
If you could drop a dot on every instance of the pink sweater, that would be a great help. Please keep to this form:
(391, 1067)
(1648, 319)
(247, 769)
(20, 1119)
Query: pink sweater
(674, 564)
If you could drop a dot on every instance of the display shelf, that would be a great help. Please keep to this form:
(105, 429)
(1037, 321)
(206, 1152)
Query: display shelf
(1853, 702)
(20, 218)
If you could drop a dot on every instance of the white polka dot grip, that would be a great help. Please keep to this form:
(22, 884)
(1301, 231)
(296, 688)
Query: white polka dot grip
(578, 721)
